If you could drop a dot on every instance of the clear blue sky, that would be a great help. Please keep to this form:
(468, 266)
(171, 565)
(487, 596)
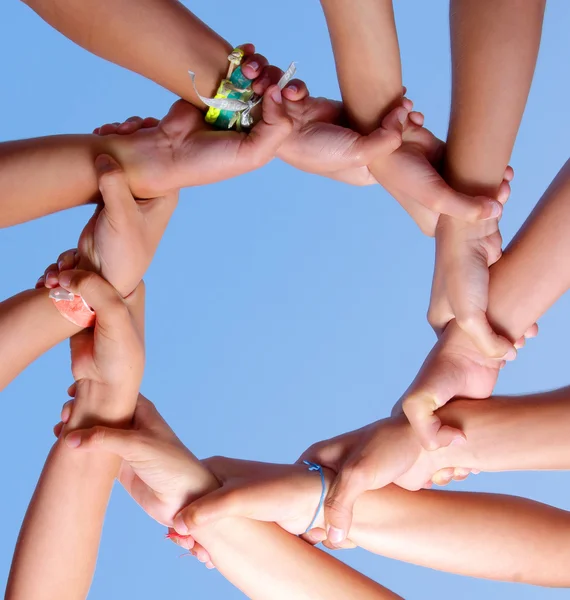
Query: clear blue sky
(305, 301)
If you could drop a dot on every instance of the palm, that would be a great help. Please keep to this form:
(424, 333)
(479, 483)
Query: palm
(320, 143)
(411, 171)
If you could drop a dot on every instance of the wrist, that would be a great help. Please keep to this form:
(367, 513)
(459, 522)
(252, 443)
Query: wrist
(101, 404)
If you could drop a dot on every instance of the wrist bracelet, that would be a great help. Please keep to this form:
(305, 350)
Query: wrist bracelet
(72, 307)
(314, 467)
(234, 100)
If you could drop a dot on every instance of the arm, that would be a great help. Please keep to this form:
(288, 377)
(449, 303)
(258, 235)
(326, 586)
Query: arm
(494, 47)
(261, 559)
(479, 535)
(160, 39)
(29, 326)
(57, 547)
(525, 433)
(367, 56)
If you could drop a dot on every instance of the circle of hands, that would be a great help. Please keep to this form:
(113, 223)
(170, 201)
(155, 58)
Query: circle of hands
(409, 448)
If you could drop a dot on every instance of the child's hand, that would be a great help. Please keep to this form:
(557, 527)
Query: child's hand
(321, 143)
(122, 236)
(460, 289)
(182, 150)
(110, 357)
(284, 494)
(158, 471)
(411, 175)
(370, 458)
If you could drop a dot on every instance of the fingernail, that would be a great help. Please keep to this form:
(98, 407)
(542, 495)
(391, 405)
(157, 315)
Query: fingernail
(402, 116)
(104, 163)
(496, 210)
(293, 88)
(60, 265)
(276, 95)
(73, 440)
(458, 441)
(40, 280)
(253, 65)
(64, 278)
(510, 355)
(475, 471)
(179, 525)
(335, 535)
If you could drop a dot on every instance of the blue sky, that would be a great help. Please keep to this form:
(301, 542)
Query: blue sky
(305, 300)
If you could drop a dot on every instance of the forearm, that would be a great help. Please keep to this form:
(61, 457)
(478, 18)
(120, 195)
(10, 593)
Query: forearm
(159, 39)
(57, 548)
(30, 325)
(479, 535)
(510, 433)
(267, 563)
(367, 56)
(494, 47)
(44, 175)
(533, 272)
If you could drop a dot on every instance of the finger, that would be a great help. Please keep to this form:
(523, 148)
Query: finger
(381, 142)
(295, 90)
(108, 128)
(520, 343)
(66, 411)
(40, 283)
(150, 122)
(348, 485)
(122, 442)
(51, 275)
(417, 118)
(96, 130)
(131, 125)
(407, 104)
(461, 474)
(247, 48)
(509, 174)
(221, 503)
(184, 541)
(443, 476)
(58, 429)
(504, 192)
(269, 76)
(114, 189)
(441, 198)
(531, 332)
(268, 135)
(101, 296)
(477, 327)
(253, 65)
(315, 536)
(71, 390)
(67, 260)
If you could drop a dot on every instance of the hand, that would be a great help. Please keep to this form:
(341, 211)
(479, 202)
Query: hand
(122, 236)
(370, 458)
(454, 367)
(158, 471)
(321, 143)
(284, 494)
(182, 150)
(411, 175)
(111, 355)
(460, 289)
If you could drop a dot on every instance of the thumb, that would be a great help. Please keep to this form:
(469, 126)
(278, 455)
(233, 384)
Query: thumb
(339, 504)
(443, 199)
(477, 327)
(223, 502)
(383, 141)
(274, 128)
(101, 296)
(122, 442)
(114, 187)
